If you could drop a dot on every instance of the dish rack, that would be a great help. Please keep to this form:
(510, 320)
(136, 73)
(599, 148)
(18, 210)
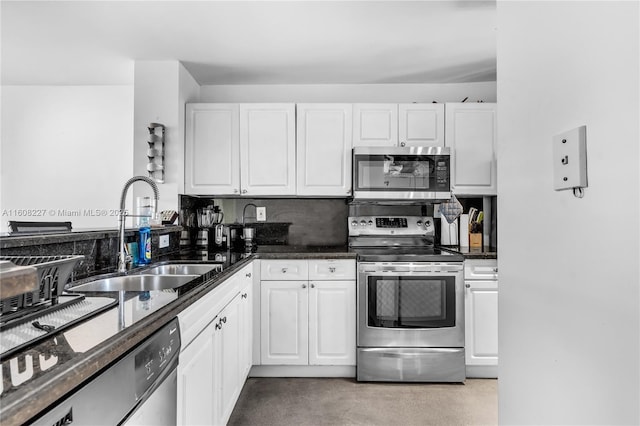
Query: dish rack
(53, 273)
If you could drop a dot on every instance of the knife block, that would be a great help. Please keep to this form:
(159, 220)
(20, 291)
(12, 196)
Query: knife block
(475, 240)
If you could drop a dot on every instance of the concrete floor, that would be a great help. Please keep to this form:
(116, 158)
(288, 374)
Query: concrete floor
(310, 401)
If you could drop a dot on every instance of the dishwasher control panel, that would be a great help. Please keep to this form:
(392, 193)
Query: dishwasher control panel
(157, 355)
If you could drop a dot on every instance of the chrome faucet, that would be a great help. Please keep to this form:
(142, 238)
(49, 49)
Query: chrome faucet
(244, 210)
(122, 258)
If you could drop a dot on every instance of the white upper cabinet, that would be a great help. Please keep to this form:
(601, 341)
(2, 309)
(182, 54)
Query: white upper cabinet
(240, 149)
(471, 133)
(324, 135)
(375, 125)
(421, 124)
(267, 149)
(212, 149)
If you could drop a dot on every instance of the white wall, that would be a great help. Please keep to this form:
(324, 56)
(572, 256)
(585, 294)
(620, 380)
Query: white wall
(399, 93)
(65, 148)
(161, 90)
(569, 268)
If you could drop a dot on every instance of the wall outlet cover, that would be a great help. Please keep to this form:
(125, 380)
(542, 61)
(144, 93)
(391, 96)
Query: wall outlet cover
(261, 214)
(570, 159)
(164, 241)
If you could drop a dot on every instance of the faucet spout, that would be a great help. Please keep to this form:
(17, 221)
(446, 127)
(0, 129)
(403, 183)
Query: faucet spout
(122, 261)
(244, 211)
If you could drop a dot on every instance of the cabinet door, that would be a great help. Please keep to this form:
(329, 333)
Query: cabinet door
(196, 381)
(421, 124)
(471, 133)
(332, 322)
(375, 125)
(226, 360)
(245, 315)
(324, 149)
(267, 149)
(481, 322)
(284, 316)
(212, 149)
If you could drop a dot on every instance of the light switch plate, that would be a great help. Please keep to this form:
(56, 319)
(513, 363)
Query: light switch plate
(164, 241)
(261, 214)
(570, 159)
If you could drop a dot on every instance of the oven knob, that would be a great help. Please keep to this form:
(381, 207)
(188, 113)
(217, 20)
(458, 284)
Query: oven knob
(419, 223)
(427, 223)
(363, 223)
(370, 223)
(354, 223)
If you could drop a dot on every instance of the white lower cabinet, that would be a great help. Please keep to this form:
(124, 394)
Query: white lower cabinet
(226, 372)
(308, 322)
(332, 323)
(284, 315)
(195, 381)
(216, 356)
(481, 318)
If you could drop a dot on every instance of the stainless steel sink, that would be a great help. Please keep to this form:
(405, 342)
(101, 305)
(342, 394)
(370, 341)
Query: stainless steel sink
(183, 269)
(146, 282)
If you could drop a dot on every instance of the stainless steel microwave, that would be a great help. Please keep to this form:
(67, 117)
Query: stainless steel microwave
(407, 173)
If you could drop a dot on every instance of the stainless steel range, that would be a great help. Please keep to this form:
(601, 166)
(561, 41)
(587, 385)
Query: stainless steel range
(410, 300)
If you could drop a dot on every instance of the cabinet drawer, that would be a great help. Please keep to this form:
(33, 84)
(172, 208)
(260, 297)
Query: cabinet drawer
(196, 317)
(284, 270)
(332, 269)
(481, 269)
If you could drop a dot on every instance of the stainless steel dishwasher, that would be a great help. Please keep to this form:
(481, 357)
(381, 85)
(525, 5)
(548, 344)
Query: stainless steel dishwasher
(139, 389)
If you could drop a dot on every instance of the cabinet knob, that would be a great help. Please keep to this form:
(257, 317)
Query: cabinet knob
(249, 275)
(244, 191)
(495, 269)
(313, 286)
(402, 144)
(244, 296)
(284, 270)
(218, 326)
(304, 286)
(467, 285)
(332, 269)
(235, 191)
(224, 320)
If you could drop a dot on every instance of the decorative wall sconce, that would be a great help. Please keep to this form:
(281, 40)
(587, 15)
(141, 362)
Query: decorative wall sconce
(155, 166)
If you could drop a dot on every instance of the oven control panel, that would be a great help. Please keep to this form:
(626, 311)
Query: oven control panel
(391, 225)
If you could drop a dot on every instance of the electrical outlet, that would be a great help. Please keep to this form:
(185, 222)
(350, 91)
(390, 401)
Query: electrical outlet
(261, 214)
(164, 241)
(570, 159)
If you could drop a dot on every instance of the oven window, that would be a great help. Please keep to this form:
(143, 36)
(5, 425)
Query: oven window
(411, 302)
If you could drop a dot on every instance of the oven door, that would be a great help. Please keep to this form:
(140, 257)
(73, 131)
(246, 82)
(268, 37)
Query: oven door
(410, 304)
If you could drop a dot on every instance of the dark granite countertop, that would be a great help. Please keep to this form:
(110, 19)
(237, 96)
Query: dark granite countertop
(8, 240)
(485, 252)
(80, 352)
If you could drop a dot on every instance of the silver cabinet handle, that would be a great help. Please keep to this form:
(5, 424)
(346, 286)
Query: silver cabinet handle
(248, 275)
(304, 286)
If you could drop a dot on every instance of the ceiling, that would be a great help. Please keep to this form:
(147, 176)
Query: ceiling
(242, 42)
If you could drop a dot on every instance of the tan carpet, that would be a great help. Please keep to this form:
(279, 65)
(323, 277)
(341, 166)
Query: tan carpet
(303, 401)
